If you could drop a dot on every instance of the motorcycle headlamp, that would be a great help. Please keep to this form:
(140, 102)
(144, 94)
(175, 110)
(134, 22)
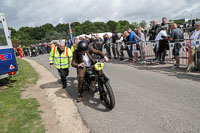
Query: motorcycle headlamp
(99, 66)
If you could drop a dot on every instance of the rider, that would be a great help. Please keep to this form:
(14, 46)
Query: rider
(83, 57)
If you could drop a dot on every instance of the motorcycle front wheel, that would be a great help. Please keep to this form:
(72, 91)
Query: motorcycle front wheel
(108, 95)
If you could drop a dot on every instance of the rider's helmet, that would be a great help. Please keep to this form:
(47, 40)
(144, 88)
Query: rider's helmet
(82, 46)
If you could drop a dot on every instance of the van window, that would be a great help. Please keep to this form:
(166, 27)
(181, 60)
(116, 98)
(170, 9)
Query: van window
(3, 41)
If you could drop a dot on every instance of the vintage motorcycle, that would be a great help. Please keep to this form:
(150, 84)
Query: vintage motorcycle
(101, 83)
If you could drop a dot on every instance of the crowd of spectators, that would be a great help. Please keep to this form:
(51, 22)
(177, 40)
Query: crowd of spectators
(120, 45)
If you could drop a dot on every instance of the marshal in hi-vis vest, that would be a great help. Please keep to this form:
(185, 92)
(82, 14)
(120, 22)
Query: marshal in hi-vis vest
(60, 61)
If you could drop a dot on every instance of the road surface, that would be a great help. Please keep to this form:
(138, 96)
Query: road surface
(146, 101)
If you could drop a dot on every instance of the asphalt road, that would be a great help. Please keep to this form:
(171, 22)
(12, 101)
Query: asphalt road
(146, 101)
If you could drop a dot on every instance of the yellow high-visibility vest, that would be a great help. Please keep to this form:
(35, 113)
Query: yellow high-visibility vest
(60, 61)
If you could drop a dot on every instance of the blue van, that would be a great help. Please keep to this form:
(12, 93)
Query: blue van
(8, 64)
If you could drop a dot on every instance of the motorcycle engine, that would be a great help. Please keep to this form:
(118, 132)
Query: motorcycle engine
(90, 74)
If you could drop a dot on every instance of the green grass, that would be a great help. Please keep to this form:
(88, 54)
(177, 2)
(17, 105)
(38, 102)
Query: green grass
(20, 115)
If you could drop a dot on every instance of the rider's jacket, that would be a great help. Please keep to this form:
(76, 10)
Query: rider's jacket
(78, 59)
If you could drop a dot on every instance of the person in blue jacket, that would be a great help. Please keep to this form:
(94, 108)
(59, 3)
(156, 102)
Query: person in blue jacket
(132, 39)
(132, 36)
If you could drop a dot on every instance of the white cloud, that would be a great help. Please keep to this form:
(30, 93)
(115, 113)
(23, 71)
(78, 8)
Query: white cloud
(37, 12)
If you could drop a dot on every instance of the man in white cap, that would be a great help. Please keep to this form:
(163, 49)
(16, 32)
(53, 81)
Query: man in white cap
(196, 33)
(195, 36)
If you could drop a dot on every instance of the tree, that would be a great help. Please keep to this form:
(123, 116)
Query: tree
(99, 27)
(62, 28)
(47, 27)
(47, 32)
(86, 27)
(180, 22)
(143, 24)
(118, 27)
(37, 33)
(134, 25)
(54, 35)
(15, 43)
(124, 25)
(111, 25)
(13, 32)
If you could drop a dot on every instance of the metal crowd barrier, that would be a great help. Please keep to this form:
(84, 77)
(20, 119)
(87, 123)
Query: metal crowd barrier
(189, 55)
(189, 49)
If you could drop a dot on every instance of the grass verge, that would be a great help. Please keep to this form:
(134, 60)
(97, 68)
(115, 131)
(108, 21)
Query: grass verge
(20, 115)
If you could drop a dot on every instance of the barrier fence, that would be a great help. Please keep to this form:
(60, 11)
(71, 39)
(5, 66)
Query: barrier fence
(189, 51)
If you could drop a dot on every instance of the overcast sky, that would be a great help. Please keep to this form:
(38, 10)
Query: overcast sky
(37, 12)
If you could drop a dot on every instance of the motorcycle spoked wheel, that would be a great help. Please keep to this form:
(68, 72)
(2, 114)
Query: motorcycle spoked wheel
(108, 95)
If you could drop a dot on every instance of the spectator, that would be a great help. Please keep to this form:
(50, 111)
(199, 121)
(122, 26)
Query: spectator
(193, 23)
(107, 41)
(141, 44)
(119, 50)
(87, 39)
(36, 49)
(154, 30)
(140, 28)
(179, 26)
(20, 51)
(170, 28)
(195, 36)
(80, 38)
(16, 52)
(135, 30)
(177, 36)
(132, 36)
(162, 42)
(49, 47)
(153, 33)
(196, 33)
(128, 45)
(114, 38)
(52, 46)
(134, 39)
(98, 43)
(164, 22)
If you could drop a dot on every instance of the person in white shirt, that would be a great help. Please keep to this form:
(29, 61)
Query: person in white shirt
(141, 44)
(86, 60)
(118, 42)
(195, 36)
(162, 44)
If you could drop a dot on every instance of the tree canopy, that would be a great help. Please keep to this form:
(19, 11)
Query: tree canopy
(47, 32)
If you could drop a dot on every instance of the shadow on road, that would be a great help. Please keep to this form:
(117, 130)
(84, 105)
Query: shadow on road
(62, 93)
(71, 91)
(180, 74)
(165, 69)
(89, 99)
(54, 84)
